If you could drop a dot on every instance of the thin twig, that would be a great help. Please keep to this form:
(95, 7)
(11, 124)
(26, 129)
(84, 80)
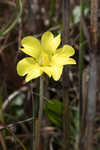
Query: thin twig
(16, 138)
(16, 123)
(8, 2)
(65, 40)
(11, 97)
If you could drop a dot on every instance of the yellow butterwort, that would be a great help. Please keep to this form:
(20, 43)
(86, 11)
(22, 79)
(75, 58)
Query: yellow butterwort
(44, 57)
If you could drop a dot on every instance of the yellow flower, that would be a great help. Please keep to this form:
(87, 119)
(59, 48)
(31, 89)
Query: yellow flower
(44, 57)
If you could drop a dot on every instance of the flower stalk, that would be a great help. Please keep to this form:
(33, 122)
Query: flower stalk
(40, 114)
(65, 40)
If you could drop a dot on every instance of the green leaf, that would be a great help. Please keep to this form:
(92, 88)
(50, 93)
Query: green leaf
(12, 22)
(53, 109)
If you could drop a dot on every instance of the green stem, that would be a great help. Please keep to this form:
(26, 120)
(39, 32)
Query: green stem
(81, 54)
(40, 114)
(35, 104)
(81, 66)
(52, 10)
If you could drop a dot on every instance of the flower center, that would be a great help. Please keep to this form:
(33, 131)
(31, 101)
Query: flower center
(44, 59)
(40, 60)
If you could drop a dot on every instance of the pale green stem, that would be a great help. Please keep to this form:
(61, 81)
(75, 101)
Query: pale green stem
(12, 22)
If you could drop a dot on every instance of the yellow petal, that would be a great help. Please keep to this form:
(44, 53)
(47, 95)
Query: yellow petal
(49, 42)
(70, 61)
(62, 60)
(31, 46)
(34, 73)
(56, 72)
(62, 56)
(25, 65)
(67, 51)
